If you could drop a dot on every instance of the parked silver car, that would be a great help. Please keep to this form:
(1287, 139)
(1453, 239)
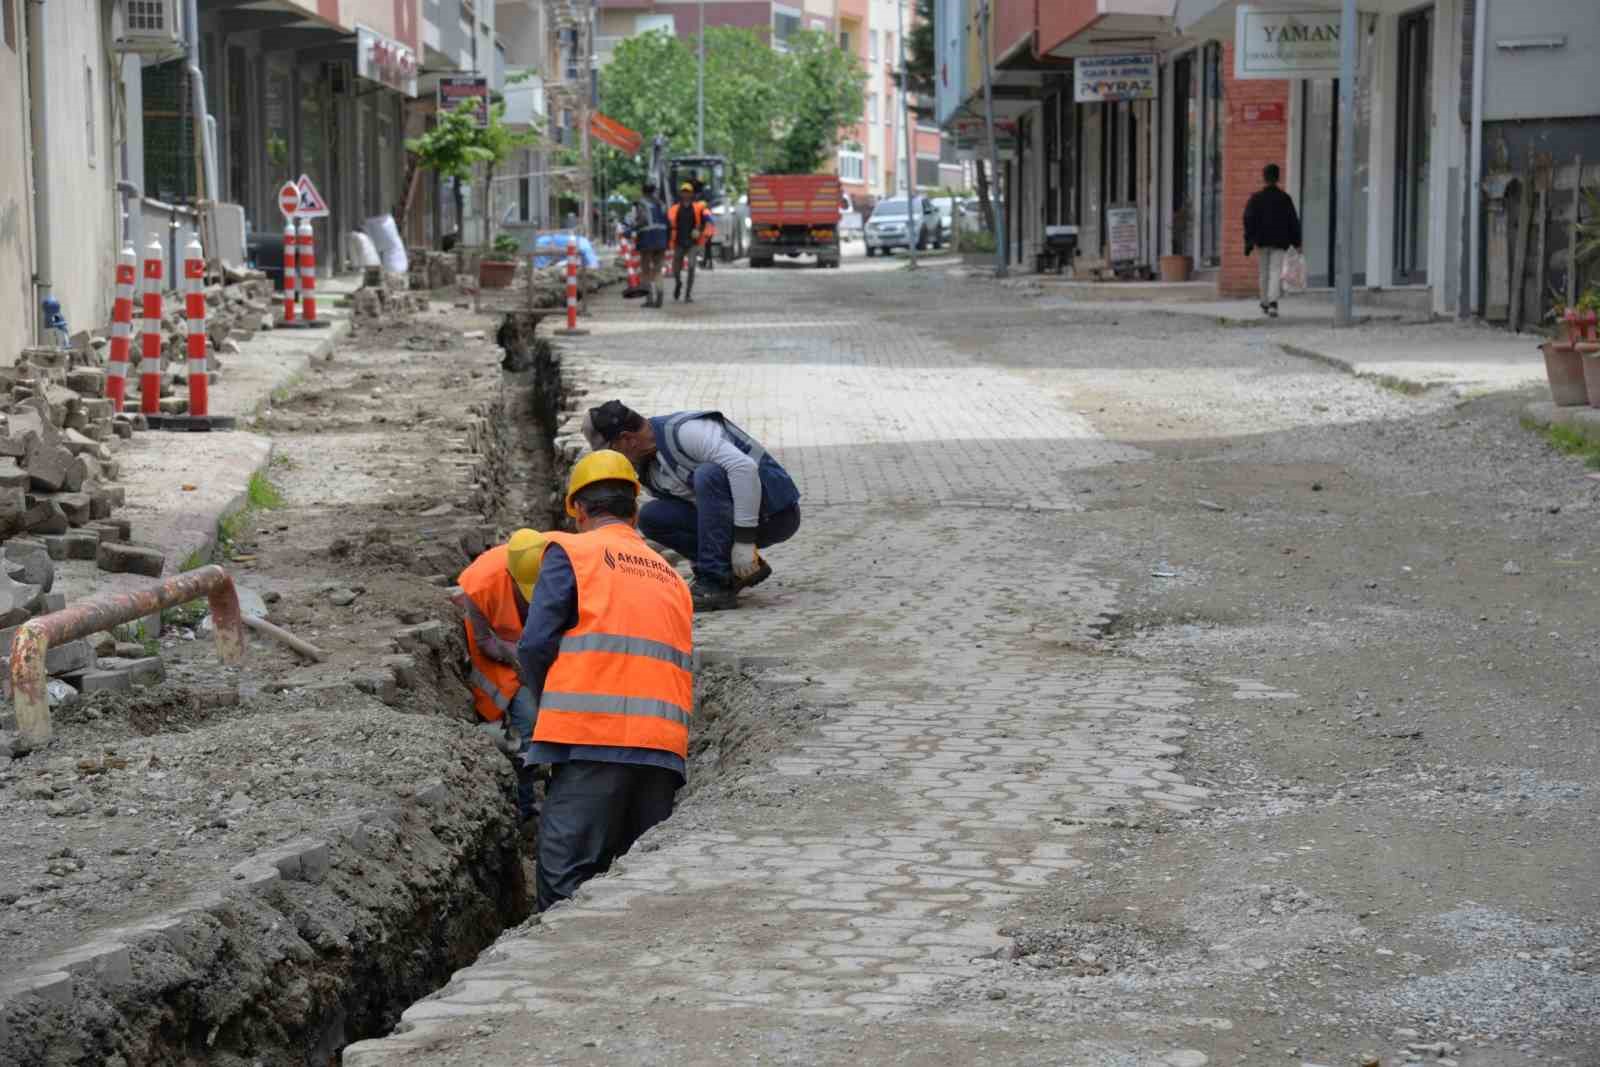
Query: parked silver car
(894, 225)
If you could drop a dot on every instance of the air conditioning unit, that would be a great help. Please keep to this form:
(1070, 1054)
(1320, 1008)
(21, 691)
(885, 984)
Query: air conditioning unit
(152, 26)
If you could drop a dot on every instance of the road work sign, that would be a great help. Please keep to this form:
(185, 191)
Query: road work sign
(311, 205)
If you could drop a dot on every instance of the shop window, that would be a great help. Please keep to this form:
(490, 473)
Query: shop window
(1319, 155)
(1414, 141)
(1185, 153)
(8, 16)
(168, 133)
(237, 115)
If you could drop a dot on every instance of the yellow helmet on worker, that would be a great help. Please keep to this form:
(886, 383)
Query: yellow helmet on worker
(686, 187)
(605, 465)
(524, 557)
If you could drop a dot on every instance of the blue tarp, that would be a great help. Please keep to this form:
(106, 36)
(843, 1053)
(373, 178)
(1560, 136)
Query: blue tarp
(550, 250)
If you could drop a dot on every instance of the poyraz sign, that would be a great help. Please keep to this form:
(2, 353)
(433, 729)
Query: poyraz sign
(1100, 78)
(1285, 44)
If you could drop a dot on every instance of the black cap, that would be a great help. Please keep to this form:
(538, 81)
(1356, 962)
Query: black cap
(611, 418)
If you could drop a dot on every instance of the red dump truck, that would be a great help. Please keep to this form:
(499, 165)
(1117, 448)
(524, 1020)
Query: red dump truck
(793, 215)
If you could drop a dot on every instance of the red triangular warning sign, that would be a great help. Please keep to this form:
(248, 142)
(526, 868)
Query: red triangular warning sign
(312, 206)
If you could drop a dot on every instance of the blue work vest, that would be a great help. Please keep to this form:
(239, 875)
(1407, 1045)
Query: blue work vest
(778, 490)
(653, 238)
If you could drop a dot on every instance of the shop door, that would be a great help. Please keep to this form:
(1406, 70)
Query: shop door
(1319, 155)
(1414, 141)
(1185, 148)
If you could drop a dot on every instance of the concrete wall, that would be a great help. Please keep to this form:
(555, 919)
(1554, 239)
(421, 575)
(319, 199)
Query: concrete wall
(83, 219)
(16, 186)
(1539, 82)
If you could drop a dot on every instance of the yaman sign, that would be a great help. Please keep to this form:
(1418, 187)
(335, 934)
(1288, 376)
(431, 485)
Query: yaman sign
(1286, 44)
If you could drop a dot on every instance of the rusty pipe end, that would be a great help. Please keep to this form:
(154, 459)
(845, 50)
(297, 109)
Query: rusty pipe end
(226, 618)
(29, 693)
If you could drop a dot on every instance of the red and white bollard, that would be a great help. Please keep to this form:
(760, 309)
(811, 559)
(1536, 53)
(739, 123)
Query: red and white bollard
(306, 250)
(150, 339)
(631, 255)
(572, 288)
(194, 312)
(291, 271)
(121, 329)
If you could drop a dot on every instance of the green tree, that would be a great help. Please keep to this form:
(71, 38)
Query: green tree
(452, 149)
(764, 109)
(920, 60)
(823, 87)
(498, 141)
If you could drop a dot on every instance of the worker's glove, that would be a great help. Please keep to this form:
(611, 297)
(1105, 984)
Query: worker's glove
(745, 562)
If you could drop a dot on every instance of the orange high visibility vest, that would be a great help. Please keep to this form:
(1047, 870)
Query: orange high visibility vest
(487, 583)
(700, 217)
(624, 676)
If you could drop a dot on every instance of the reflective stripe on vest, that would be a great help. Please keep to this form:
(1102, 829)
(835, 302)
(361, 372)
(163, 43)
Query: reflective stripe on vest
(482, 684)
(622, 676)
(487, 584)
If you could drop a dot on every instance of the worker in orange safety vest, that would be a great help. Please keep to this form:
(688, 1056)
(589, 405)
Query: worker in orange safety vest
(686, 220)
(494, 593)
(609, 649)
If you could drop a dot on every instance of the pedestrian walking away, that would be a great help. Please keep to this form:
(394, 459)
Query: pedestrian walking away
(686, 223)
(493, 593)
(709, 229)
(719, 496)
(609, 648)
(1272, 227)
(649, 225)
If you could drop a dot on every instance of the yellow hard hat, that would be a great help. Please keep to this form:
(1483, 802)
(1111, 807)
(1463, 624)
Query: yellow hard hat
(524, 557)
(686, 187)
(605, 465)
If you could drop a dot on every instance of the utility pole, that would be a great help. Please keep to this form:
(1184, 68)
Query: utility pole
(994, 155)
(700, 88)
(1344, 243)
(585, 23)
(912, 216)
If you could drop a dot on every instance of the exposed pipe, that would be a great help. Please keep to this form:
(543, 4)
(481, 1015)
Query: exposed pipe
(32, 644)
(201, 119)
(39, 117)
(1480, 30)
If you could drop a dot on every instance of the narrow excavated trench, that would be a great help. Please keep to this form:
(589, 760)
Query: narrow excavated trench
(325, 940)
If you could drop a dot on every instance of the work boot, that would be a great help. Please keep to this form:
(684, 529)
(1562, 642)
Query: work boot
(1272, 312)
(688, 294)
(713, 596)
(677, 288)
(763, 572)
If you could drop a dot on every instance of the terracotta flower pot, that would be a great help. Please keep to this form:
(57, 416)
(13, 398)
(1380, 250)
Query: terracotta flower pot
(1176, 268)
(1565, 369)
(1589, 353)
(496, 273)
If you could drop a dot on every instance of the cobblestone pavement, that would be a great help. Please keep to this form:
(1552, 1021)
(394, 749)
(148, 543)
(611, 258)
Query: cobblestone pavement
(972, 740)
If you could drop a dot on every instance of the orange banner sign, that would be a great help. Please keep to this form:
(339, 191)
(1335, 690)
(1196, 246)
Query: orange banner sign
(614, 134)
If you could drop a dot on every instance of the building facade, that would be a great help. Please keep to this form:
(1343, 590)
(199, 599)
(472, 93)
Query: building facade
(1147, 124)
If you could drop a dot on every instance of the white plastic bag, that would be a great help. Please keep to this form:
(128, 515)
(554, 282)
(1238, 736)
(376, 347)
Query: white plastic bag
(366, 253)
(386, 235)
(1293, 274)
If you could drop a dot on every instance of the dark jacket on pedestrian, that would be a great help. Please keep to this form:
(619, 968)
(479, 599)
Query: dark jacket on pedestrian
(1270, 221)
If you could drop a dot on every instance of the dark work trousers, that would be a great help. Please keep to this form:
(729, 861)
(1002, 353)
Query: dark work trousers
(593, 813)
(703, 531)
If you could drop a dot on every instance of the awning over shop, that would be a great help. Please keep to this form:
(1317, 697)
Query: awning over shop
(1090, 27)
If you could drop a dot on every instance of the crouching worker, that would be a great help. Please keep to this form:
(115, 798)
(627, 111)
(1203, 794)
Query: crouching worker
(719, 496)
(495, 590)
(608, 647)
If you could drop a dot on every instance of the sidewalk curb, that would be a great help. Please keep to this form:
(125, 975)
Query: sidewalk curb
(1387, 381)
(1543, 414)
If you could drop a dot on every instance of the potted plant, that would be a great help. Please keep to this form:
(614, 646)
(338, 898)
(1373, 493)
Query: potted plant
(1588, 349)
(1179, 265)
(499, 265)
(1563, 366)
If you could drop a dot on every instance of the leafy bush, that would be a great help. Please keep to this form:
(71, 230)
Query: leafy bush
(976, 241)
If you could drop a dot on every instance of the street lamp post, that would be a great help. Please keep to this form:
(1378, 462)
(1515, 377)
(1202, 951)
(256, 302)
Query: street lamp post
(905, 121)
